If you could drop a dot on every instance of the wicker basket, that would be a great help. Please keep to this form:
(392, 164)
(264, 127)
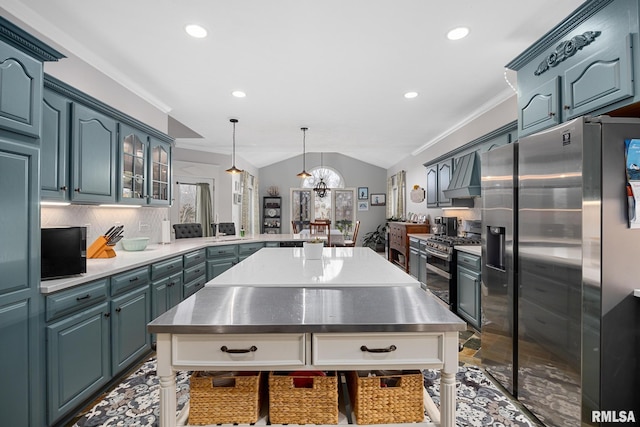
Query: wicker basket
(289, 404)
(387, 399)
(224, 398)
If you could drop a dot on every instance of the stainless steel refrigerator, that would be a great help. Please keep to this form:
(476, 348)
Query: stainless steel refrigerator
(559, 269)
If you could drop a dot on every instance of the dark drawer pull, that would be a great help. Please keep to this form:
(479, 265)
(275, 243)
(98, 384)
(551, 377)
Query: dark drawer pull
(379, 350)
(238, 350)
(133, 280)
(118, 310)
(170, 267)
(197, 271)
(84, 297)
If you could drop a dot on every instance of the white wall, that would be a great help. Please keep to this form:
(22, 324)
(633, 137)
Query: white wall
(355, 173)
(498, 116)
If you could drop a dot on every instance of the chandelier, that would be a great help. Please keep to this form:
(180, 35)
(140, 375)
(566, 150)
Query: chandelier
(321, 187)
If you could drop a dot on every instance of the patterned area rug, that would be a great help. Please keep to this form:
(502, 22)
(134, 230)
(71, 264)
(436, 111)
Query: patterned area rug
(134, 402)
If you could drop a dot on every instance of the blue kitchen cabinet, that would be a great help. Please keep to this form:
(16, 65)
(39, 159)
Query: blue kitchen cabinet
(54, 147)
(220, 259)
(468, 281)
(584, 65)
(130, 340)
(20, 92)
(166, 285)
(93, 156)
(77, 359)
(21, 403)
(438, 178)
(159, 190)
(245, 250)
(540, 108)
(133, 171)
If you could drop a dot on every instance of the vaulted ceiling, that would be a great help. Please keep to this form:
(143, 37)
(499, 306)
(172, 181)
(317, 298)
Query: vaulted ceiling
(338, 67)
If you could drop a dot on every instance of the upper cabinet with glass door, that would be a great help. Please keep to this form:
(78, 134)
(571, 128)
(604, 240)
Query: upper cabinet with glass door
(134, 146)
(160, 172)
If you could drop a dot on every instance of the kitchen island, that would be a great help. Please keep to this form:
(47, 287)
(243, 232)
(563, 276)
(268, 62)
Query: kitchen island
(341, 326)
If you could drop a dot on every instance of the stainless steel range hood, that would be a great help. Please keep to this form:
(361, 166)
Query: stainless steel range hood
(465, 182)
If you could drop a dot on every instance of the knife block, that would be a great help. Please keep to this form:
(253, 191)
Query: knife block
(99, 249)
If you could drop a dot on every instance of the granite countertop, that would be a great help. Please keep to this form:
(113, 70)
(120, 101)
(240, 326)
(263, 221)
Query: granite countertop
(247, 309)
(125, 260)
(288, 267)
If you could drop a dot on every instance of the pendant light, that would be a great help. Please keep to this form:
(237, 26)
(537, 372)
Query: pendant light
(304, 173)
(233, 169)
(321, 187)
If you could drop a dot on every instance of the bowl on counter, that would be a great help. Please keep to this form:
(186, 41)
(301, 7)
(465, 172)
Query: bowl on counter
(135, 243)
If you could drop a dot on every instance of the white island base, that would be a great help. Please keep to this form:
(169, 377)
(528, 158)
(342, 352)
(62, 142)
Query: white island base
(445, 344)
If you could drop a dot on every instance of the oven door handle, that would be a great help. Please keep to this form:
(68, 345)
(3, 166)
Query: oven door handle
(438, 271)
(446, 257)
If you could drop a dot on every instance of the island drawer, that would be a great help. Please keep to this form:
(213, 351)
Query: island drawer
(249, 248)
(238, 350)
(380, 349)
(195, 272)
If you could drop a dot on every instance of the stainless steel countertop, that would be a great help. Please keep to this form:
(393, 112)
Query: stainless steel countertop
(244, 310)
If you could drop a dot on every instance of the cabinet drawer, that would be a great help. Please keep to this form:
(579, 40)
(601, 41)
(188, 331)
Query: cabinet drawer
(403, 349)
(249, 248)
(194, 258)
(165, 268)
(262, 349)
(469, 261)
(230, 251)
(129, 280)
(194, 286)
(195, 272)
(414, 242)
(72, 300)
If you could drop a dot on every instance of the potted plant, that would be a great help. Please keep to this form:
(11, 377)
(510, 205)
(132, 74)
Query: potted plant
(375, 239)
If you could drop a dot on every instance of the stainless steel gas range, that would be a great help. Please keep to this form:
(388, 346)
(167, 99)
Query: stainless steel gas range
(441, 265)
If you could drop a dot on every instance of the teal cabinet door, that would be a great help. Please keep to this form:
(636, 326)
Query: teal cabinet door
(445, 170)
(130, 340)
(469, 296)
(432, 186)
(601, 79)
(217, 267)
(133, 176)
(21, 403)
(159, 172)
(93, 156)
(54, 147)
(539, 109)
(20, 92)
(77, 359)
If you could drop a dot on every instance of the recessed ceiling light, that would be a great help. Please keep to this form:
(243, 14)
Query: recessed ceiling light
(196, 31)
(238, 94)
(410, 95)
(458, 33)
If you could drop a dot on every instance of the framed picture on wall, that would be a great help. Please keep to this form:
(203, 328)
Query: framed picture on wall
(378, 199)
(363, 206)
(363, 193)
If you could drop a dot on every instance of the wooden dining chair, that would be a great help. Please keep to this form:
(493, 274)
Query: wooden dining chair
(321, 230)
(352, 242)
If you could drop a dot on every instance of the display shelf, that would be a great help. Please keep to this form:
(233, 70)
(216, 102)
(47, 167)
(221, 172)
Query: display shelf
(271, 214)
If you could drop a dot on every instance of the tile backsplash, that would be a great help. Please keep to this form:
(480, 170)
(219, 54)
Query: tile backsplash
(138, 222)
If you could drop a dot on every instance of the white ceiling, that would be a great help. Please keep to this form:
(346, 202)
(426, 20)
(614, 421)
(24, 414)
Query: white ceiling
(338, 67)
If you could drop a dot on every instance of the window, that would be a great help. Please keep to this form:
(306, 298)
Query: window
(338, 204)
(186, 203)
